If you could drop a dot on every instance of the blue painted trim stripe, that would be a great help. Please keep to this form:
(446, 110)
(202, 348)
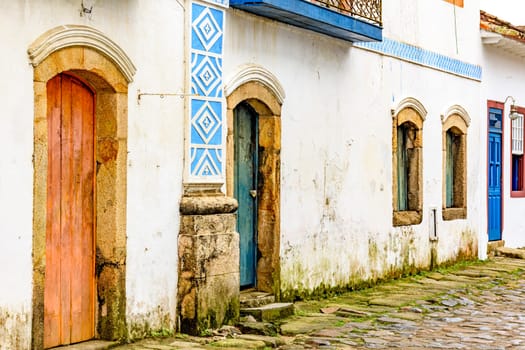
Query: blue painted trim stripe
(424, 57)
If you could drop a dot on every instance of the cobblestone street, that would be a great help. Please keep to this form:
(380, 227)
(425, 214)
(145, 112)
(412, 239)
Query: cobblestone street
(478, 306)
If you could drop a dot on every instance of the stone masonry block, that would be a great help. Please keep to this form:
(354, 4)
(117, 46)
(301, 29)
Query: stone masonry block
(218, 301)
(208, 205)
(207, 224)
(209, 255)
(208, 292)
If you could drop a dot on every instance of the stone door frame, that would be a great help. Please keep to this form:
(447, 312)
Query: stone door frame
(261, 90)
(89, 55)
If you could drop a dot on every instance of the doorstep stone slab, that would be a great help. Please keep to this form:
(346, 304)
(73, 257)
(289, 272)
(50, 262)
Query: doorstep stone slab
(269, 312)
(91, 345)
(511, 252)
(239, 344)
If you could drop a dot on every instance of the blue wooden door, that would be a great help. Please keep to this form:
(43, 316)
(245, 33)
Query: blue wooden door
(245, 189)
(494, 175)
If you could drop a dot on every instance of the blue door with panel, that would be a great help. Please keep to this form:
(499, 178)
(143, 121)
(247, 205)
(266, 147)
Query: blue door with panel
(494, 174)
(245, 188)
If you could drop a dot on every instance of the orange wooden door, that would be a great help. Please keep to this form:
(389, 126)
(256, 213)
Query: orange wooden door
(69, 279)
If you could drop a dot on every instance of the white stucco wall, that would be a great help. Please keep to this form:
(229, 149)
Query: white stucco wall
(16, 187)
(336, 194)
(503, 76)
(435, 25)
(151, 33)
(336, 176)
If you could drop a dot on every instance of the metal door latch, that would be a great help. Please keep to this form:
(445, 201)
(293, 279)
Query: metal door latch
(253, 193)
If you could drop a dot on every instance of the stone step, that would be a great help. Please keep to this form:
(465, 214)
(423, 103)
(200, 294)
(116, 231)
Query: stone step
(510, 252)
(91, 345)
(254, 298)
(269, 312)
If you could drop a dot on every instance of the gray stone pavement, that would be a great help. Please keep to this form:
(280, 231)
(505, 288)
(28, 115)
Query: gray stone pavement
(478, 306)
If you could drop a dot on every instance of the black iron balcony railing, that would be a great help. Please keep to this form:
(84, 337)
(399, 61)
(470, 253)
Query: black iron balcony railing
(369, 10)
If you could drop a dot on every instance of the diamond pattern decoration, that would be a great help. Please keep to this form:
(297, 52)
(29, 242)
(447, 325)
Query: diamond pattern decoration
(206, 109)
(206, 29)
(204, 162)
(205, 124)
(206, 76)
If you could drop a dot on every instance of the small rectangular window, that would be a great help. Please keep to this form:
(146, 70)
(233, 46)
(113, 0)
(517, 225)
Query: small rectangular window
(495, 119)
(517, 136)
(517, 172)
(454, 168)
(407, 161)
(517, 157)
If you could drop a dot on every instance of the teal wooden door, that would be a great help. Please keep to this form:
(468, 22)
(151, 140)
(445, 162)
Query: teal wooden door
(245, 189)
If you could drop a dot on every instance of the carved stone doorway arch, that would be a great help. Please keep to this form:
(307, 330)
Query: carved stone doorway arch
(260, 89)
(87, 54)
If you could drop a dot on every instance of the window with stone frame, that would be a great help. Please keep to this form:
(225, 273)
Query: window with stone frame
(455, 180)
(455, 167)
(407, 168)
(517, 163)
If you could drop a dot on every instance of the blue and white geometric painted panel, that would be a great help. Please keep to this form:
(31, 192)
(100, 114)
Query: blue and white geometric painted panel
(205, 162)
(206, 75)
(207, 29)
(207, 103)
(206, 124)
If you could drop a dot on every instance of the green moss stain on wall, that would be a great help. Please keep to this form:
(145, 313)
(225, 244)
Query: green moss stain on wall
(402, 253)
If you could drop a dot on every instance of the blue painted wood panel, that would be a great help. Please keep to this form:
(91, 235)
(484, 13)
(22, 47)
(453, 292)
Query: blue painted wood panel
(494, 186)
(312, 17)
(245, 155)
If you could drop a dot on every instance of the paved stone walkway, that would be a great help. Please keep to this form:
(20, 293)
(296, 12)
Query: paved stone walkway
(480, 306)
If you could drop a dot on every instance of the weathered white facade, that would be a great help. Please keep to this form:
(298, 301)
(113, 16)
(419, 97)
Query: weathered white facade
(154, 160)
(336, 204)
(330, 105)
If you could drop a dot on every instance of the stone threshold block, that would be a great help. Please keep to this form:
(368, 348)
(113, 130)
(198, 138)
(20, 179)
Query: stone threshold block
(270, 312)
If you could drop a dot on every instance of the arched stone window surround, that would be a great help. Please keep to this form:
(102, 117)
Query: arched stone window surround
(262, 91)
(411, 111)
(87, 54)
(457, 121)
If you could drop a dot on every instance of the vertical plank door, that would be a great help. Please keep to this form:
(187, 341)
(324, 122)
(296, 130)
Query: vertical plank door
(494, 187)
(69, 278)
(245, 186)
(494, 176)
